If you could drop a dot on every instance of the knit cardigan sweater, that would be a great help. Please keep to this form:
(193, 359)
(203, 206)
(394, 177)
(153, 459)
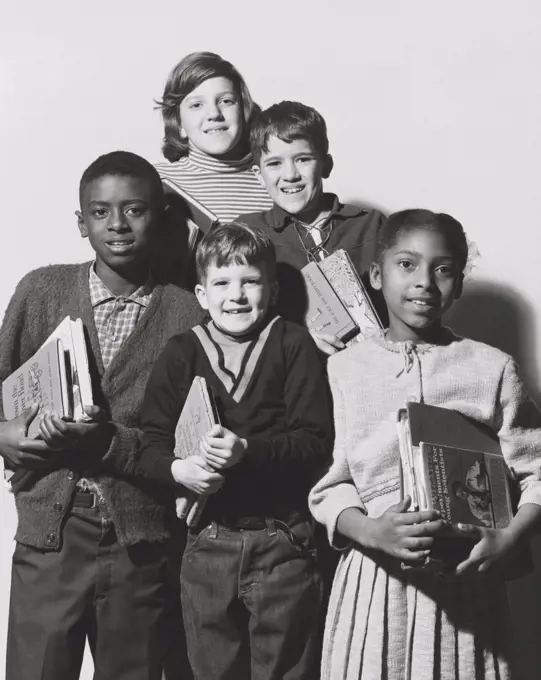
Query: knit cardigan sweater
(372, 380)
(137, 508)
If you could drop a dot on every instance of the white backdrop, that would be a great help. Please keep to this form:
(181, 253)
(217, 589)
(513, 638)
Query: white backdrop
(428, 104)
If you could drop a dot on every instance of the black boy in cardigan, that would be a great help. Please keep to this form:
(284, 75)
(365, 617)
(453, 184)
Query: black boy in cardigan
(92, 559)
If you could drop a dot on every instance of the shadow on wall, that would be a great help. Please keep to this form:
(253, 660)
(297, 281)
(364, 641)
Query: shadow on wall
(499, 316)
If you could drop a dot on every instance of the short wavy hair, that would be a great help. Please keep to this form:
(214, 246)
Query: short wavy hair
(289, 121)
(124, 164)
(234, 243)
(188, 74)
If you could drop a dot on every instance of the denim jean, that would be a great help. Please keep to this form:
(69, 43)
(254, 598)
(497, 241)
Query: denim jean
(251, 601)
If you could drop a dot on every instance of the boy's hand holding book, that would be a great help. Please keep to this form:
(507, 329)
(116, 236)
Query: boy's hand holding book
(222, 448)
(18, 450)
(327, 343)
(94, 434)
(195, 474)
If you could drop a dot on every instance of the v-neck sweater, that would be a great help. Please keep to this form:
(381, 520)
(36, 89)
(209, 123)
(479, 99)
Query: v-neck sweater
(43, 298)
(283, 412)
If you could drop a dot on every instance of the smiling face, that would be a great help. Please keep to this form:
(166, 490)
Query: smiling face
(212, 117)
(119, 218)
(237, 296)
(292, 173)
(420, 278)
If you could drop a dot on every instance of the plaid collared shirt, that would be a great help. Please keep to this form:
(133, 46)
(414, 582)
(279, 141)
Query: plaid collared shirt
(115, 317)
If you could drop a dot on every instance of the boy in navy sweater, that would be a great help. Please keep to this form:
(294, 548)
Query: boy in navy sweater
(250, 586)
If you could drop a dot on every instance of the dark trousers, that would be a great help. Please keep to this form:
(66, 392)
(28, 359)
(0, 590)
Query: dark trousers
(250, 601)
(91, 588)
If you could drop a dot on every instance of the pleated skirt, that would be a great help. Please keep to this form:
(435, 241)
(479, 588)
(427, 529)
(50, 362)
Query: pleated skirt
(390, 624)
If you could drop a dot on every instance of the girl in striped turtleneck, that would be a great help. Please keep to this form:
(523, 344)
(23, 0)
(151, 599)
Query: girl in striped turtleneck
(206, 109)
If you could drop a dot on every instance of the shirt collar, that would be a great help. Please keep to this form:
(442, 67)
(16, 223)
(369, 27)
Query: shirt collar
(99, 292)
(279, 219)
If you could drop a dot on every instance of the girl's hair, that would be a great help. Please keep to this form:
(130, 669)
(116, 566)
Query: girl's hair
(235, 243)
(409, 220)
(188, 74)
(289, 121)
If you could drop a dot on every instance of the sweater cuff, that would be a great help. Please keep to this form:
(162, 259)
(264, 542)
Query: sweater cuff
(327, 510)
(162, 470)
(122, 450)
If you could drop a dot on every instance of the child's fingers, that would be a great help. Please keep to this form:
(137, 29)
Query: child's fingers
(215, 431)
(425, 528)
(413, 558)
(419, 543)
(402, 506)
(417, 517)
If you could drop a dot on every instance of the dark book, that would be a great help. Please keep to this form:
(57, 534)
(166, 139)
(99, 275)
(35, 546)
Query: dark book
(199, 415)
(197, 216)
(453, 464)
(325, 310)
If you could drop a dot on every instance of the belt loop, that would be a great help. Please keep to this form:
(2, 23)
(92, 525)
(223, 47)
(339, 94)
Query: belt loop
(213, 530)
(271, 526)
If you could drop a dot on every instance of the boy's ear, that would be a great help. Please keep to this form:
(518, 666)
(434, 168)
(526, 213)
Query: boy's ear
(201, 295)
(257, 172)
(375, 276)
(81, 224)
(328, 165)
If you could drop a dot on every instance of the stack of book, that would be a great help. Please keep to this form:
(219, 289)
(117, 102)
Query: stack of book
(56, 377)
(454, 465)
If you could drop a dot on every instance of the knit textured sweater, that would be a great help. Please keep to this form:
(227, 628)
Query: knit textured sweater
(278, 401)
(226, 188)
(138, 509)
(371, 381)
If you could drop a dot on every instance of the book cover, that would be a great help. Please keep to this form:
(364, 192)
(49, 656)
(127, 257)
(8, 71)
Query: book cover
(325, 310)
(342, 275)
(42, 380)
(453, 464)
(197, 216)
(198, 415)
(468, 487)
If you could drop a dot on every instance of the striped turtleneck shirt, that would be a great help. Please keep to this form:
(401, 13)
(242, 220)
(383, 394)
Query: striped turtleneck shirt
(226, 188)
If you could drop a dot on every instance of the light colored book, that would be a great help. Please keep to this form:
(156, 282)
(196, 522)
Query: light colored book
(41, 380)
(325, 311)
(198, 416)
(348, 286)
(71, 333)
